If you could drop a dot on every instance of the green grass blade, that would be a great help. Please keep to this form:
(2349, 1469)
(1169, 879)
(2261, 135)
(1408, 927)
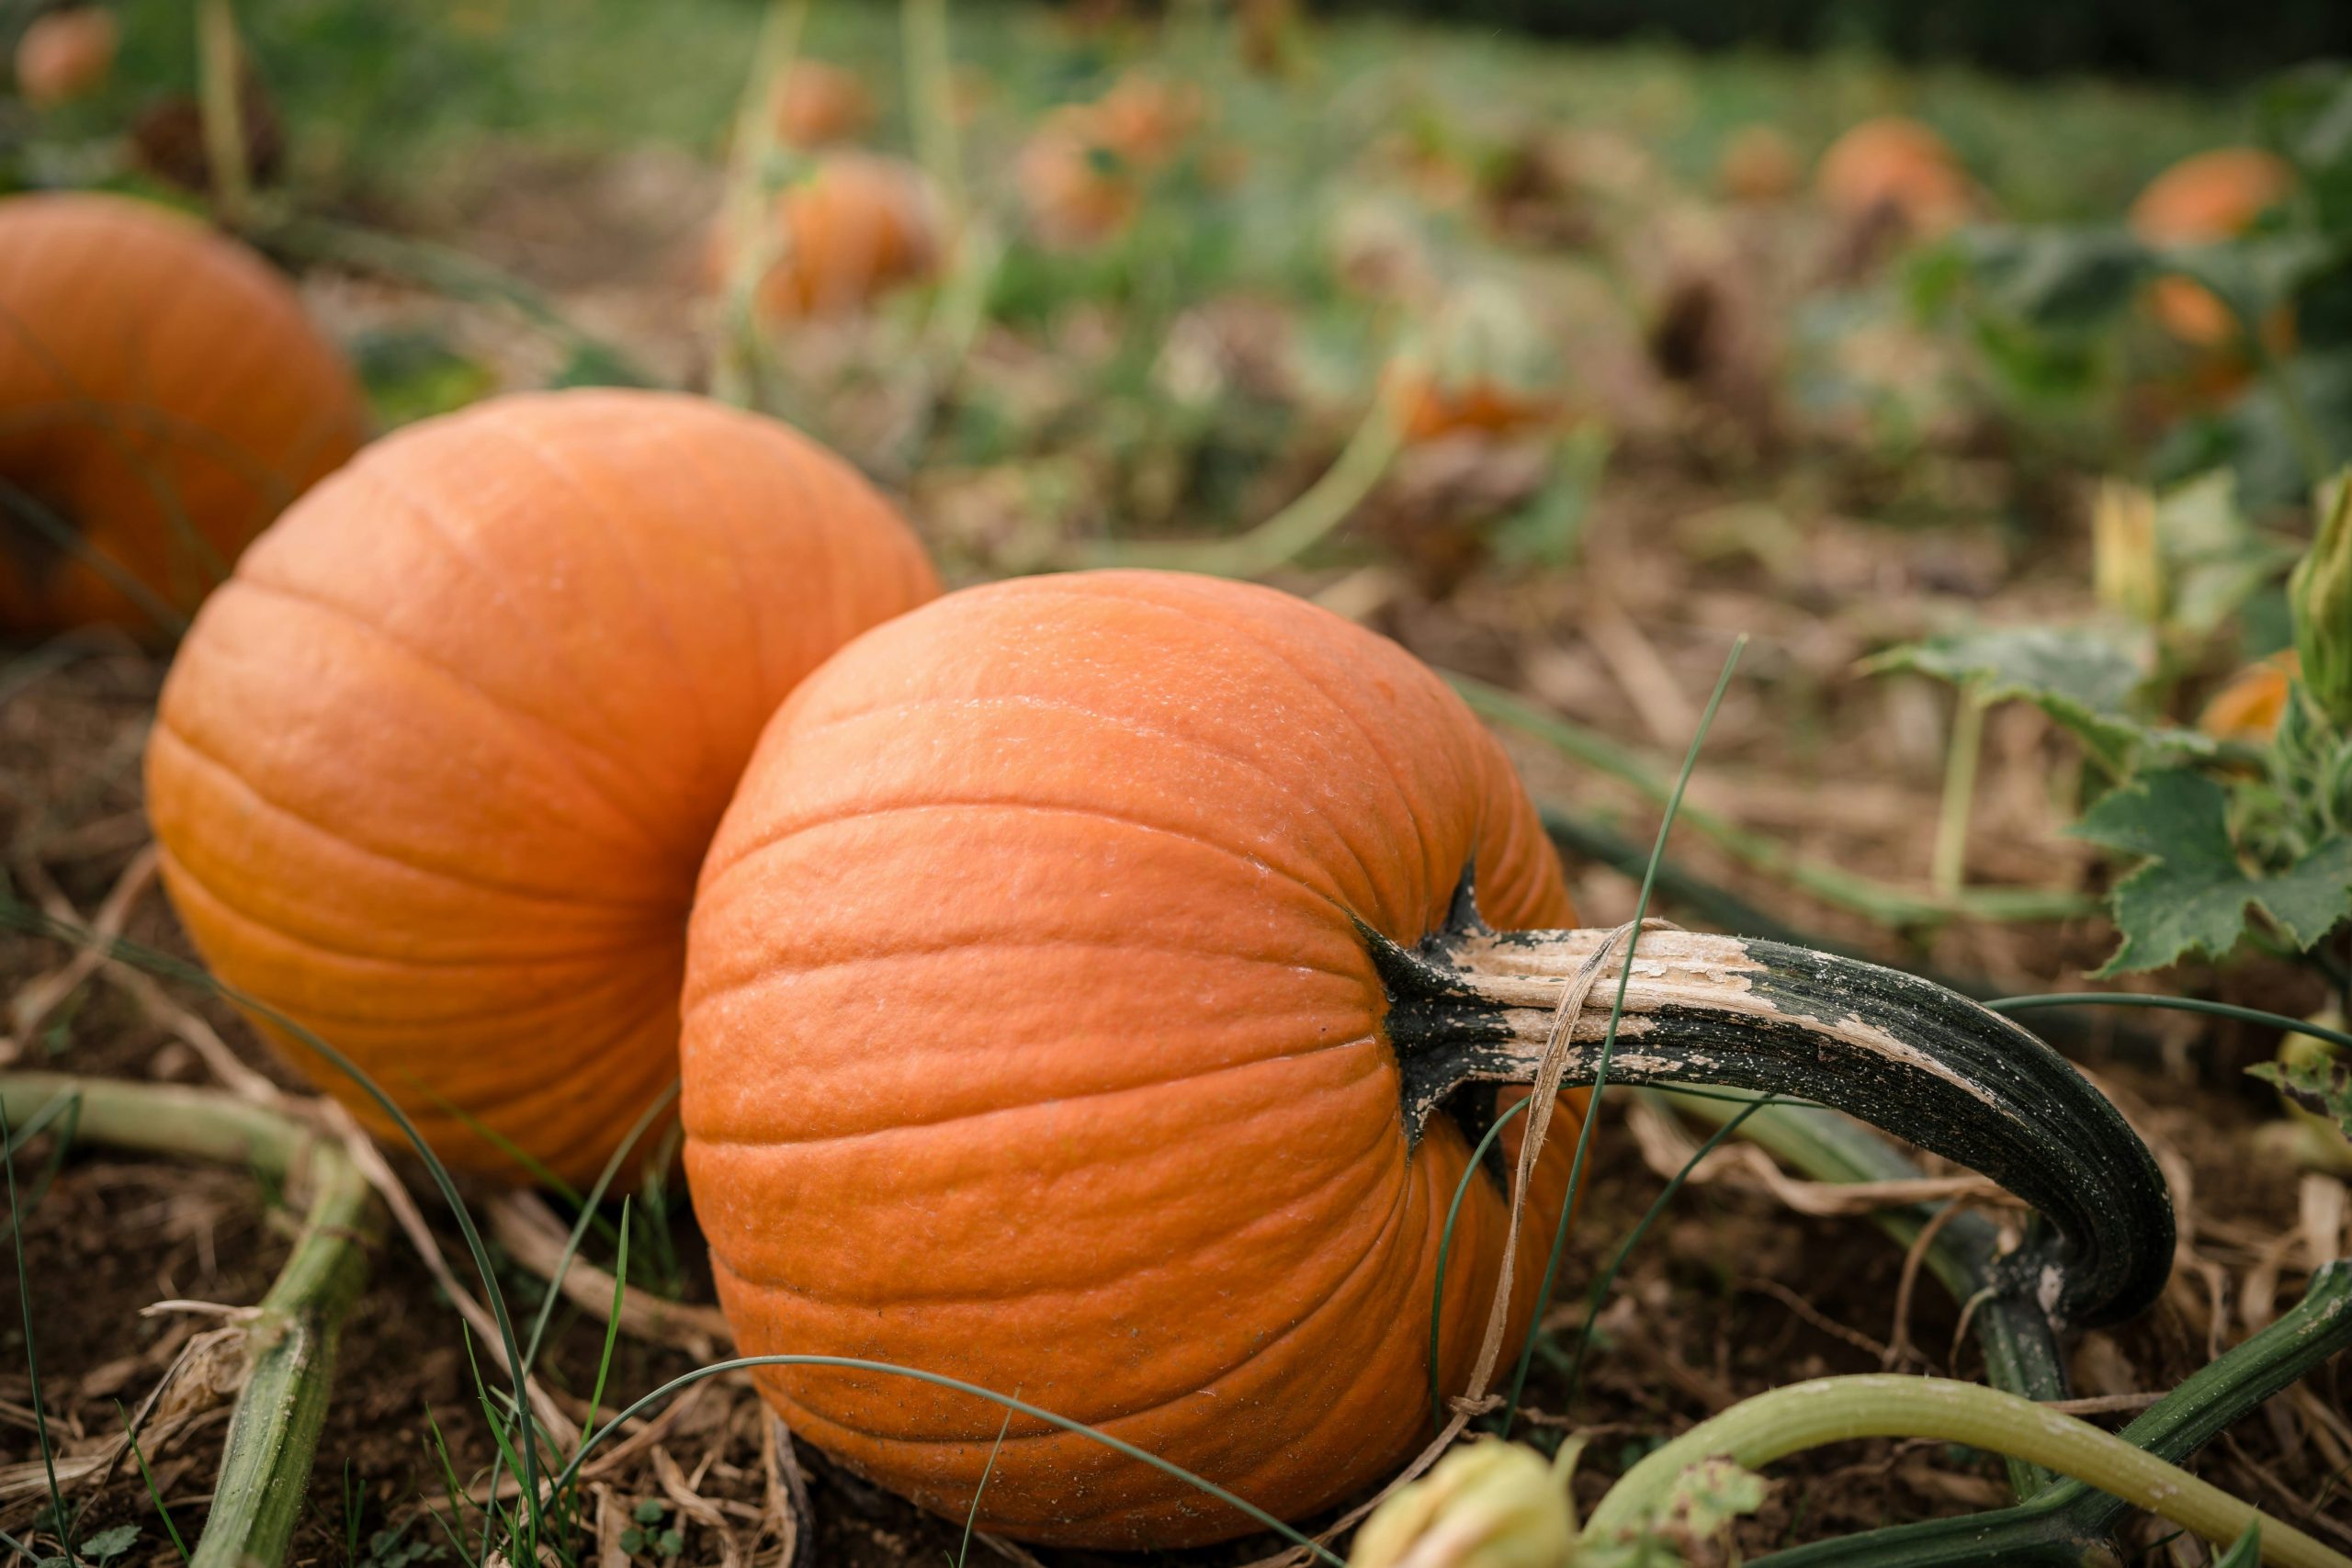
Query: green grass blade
(32, 1356)
(155, 1493)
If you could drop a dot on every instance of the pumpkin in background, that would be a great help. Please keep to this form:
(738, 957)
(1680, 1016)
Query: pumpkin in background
(2200, 200)
(1758, 167)
(2251, 702)
(1030, 1039)
(161, 398)
(817, 104)
(1081, 175)
(1899, 170)
(66, 55)
(855, 226)
(435, 772)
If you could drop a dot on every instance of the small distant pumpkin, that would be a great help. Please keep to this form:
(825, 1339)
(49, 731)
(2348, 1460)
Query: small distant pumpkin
(1081, 176)
(2211, 197)
(1899, 170)
(1758, 167)
(817, 104)
(2249, 705)
(1078, 188)
(64, 55)
(433, 773)
(855, 227)
(162, 396)
(1474, 404)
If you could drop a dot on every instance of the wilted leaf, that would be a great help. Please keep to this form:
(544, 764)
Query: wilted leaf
(2193, 893)
(2319, 1083)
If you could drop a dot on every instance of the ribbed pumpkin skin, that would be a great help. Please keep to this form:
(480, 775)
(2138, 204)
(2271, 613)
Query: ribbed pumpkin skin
(162, 393)
(433, 773)
(1029, 1040)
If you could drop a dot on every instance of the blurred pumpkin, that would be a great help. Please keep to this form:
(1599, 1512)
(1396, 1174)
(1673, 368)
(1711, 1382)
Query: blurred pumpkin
(1898, 170)
(433, 772)
(817, 104)
(162, 397)
(1474, 404)
(1082, 174)
(64, 55)
(2211, 197)
(2249, 705)
(1758, 167)
(855, 226)
(1077, 188)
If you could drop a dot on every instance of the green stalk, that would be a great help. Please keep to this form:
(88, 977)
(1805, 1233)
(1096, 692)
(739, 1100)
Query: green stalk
(1948, 871)
(1875, 900)
(1326, 504)
(290, 1339)
(734, 373)
(219, 73)
(929, 101)
(1833, 1410)
(2061, 1526)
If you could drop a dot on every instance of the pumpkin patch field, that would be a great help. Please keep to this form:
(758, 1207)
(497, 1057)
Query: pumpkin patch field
(1234, 781)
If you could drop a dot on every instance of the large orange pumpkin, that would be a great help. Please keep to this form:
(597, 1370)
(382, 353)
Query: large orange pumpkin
(433, 773)
(2211, 197)
(161, 398)
(1895, 169)
(1082, 993)
(853, 226)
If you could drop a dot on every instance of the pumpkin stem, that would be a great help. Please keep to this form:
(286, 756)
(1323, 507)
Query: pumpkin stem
(1471, 1004)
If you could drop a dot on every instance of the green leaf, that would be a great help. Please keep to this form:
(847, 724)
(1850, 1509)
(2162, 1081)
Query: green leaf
(2082, 676)
(2192, 894)
(2055, 278)
(1707, 1498)
(2246, 1552)
(2318, 1082)
(648, 1512)
(2216, 557)
(109, 1542)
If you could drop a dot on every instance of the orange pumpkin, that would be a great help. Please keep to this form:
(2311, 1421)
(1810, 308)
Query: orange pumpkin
(855, 227)
(1146, 119)
(1082, 991)
(2211, 197)
(66, 55)
(433, 772)
(1899, 170)
(161, 398)
(1474, 404)
(817, 104)
(2251, 702)
(1029, 1038)
(1758, 167)
(1078, 189)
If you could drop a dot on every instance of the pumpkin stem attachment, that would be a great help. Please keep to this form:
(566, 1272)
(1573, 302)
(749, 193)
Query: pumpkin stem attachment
(1909, 1056)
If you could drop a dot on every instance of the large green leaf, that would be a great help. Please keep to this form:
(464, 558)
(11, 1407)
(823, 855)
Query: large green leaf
(2085, 677)
(2193, 893)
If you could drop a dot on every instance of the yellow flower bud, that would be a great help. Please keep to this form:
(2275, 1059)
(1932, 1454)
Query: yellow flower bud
(1492, 1504)
(2321, 595)
(2126, 572)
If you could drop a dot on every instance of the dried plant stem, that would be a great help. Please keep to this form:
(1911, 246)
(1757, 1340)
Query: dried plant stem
(290, 1335)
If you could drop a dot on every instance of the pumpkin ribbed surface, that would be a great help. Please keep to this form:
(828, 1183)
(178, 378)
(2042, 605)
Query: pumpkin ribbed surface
(1030, 1039)
(161, 398)
(435, 772)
